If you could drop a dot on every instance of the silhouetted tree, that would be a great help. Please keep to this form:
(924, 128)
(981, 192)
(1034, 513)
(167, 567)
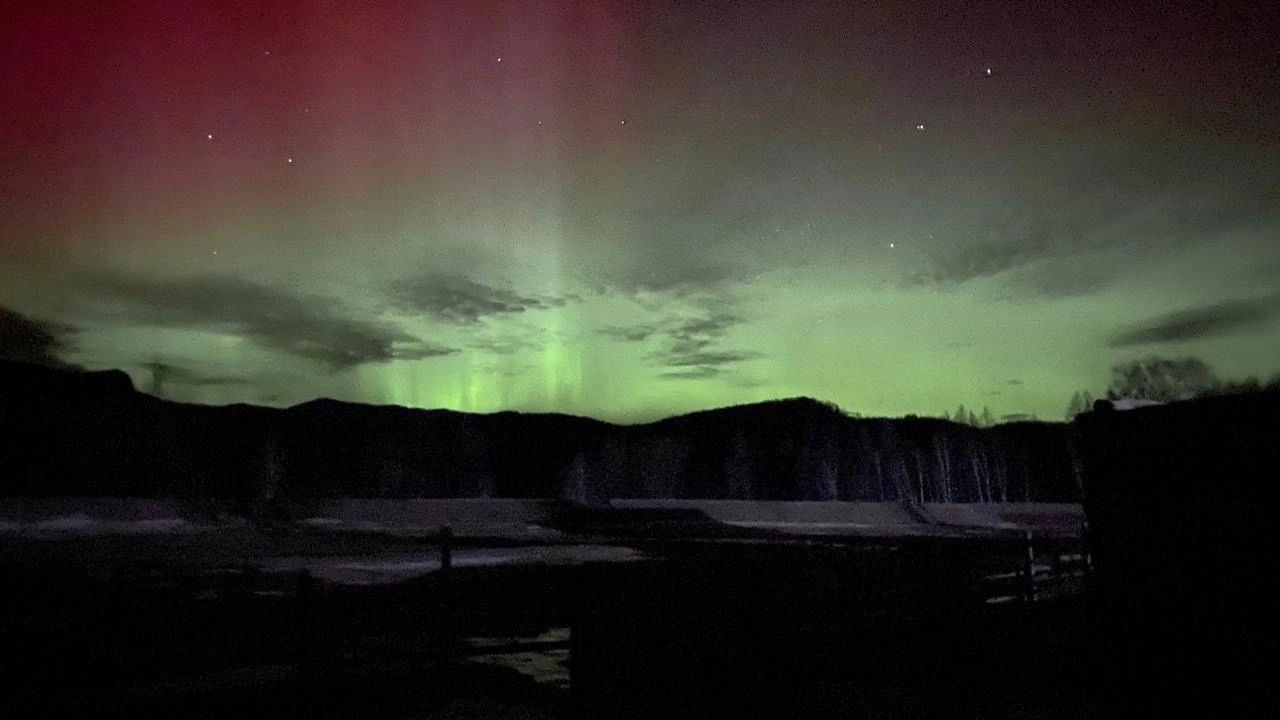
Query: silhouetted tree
(1081, 401)
(1162, 379)
(1075, 407)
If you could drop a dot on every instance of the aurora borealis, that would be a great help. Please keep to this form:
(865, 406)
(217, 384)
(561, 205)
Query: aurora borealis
(631, 209)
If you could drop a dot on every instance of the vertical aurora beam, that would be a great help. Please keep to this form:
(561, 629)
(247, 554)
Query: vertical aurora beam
(538, 100)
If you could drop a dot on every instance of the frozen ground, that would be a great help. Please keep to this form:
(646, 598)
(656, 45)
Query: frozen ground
(389, 568)
(149, 580)
(534, 520)
(876, 519)
(370, 542)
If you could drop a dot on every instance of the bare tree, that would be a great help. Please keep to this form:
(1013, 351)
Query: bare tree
(1162, 379)
(1076, 406)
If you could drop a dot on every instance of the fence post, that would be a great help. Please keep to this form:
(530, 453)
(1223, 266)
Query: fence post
(1085, 551)
(1029, 568)
(446, 549)
(1086, 555)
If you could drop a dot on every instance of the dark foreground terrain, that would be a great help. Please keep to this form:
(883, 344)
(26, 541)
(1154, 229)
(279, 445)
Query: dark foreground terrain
(743, 624)
(922, 604)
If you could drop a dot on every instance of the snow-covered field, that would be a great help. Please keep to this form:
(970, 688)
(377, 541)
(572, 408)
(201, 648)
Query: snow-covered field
(534, 520)
(390, 568)
(83, 524)
(368, 542)
(879, 519)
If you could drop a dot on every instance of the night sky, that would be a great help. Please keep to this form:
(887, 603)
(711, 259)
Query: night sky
(627, 209)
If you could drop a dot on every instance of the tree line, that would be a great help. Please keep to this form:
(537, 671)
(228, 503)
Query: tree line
(1162, 380)
(1151, 379)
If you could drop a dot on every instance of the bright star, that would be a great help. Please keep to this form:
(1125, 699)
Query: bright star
(290, 161)
(988, 72)
(210, 136)
(920, 126)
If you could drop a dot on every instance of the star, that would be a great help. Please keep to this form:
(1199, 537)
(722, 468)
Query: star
(624, 122)
(499, 58)
(290, 161)
(988, 72)
(210, 136)
(893, 245)
(539, 122)
(920, 126)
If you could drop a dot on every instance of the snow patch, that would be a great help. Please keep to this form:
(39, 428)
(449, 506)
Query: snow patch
(350, 570)
(1132, 403)
(67, 523)
(79, 524)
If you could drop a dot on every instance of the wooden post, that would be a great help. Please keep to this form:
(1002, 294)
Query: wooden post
(1086, 557)
(446, 549)
(1029, 568)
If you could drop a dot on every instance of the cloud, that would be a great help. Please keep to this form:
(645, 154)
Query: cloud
(682, 359)
(981, 260)
(688, 344)
(1072, 223)
(308, 326)
(684, 278)
(1199, 322)
(511, 372)
(28, 340)
(701, 372)
(165, 374)
(505, 345)
(460, 300)
(1034, 252)
(630, 333)
(1066, 277)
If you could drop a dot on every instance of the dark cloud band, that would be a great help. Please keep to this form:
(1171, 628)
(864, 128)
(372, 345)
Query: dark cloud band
(307, 326)
(1200, 322)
